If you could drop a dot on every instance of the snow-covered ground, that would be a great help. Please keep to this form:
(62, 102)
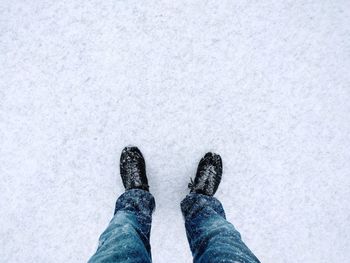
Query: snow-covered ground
(264, 83)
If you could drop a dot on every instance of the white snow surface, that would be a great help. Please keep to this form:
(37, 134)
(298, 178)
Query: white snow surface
(264, 83)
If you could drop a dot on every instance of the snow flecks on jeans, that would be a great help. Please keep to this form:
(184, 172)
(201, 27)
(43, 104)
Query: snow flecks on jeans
(126, 238)
(211, 237)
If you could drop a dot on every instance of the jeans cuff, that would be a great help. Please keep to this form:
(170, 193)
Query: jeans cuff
(195, 204)
(136, 200)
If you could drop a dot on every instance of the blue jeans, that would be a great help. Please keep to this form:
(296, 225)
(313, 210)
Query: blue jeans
(211, 237)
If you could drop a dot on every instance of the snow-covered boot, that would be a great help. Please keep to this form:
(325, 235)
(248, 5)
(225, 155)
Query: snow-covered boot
(208, 175)
(133, 169)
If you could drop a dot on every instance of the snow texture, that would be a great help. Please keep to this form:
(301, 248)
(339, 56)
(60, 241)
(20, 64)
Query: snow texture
(264, 83)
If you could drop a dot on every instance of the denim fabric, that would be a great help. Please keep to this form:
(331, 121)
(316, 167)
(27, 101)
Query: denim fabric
(126, 238)
(212, 238)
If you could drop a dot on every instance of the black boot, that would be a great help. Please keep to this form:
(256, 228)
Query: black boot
(133, 169)
(208, 175)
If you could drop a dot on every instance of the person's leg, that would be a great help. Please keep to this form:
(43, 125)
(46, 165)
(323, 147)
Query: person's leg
(211, 237)
(126, 238)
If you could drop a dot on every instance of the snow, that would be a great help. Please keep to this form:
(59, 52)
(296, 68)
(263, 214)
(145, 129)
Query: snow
(264, 83)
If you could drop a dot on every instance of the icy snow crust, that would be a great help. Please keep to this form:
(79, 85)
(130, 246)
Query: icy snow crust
(265, 84)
